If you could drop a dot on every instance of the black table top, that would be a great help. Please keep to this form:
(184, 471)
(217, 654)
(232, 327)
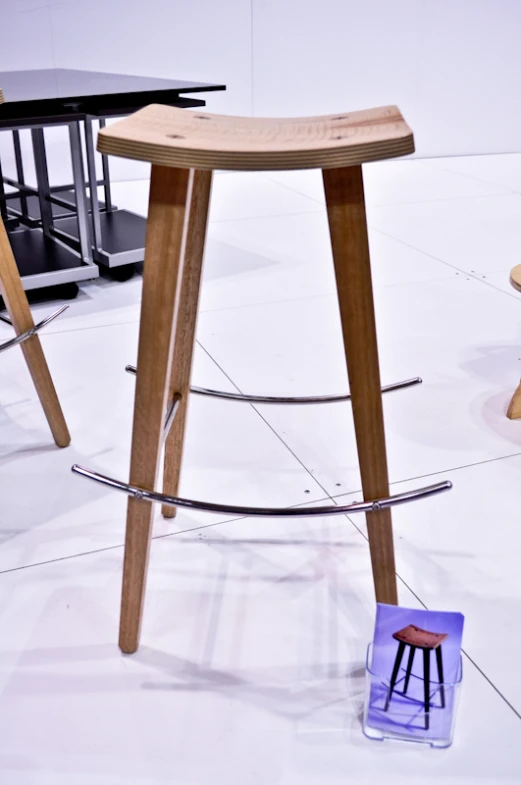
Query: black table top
(56, 93)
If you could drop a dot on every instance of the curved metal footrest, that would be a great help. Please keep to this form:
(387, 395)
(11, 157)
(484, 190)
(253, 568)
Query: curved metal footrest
(32, 332)
(272, 512)
(286, 399)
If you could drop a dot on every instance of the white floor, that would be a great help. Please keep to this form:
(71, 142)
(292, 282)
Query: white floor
(252, 656)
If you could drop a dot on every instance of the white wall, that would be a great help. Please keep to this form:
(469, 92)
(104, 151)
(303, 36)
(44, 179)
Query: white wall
(451, 65)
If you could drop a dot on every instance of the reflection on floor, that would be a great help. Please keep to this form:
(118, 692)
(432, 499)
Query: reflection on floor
(251, 668)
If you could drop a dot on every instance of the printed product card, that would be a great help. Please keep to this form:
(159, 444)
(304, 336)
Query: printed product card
(413, 675)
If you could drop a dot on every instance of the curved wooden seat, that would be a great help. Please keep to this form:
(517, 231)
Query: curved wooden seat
(168, 136)
(421, 639)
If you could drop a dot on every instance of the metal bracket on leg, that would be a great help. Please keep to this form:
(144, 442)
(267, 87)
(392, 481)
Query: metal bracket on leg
(286, 399)
(280, 512)
(171, 413)
(32, 332)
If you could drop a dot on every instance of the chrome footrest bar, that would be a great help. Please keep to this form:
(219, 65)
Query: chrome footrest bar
(275, 512)
(32, 332)
(286, 399)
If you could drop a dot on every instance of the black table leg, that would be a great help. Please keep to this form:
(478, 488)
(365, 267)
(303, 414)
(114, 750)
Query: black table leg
(106, 174)
(42, 178)
(20, 175)
(93, 186)
(439, 660)
(427, 684)
(396, 668)
(82, 207)
(3, 205)
(409, 669)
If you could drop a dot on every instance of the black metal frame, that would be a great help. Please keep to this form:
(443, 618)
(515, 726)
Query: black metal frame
(426, 677)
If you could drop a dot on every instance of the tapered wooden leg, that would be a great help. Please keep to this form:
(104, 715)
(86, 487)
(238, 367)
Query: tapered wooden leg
(185, 331)
(164, 251)
(15, 299)
(514, 407)
(348, 228)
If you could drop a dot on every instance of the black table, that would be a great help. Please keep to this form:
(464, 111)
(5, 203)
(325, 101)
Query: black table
(59, 233)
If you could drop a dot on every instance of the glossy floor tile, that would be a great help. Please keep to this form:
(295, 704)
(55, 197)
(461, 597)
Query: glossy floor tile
(252, 659)
(401, 181)
(435, 330)
(281, 258)
(231, 453)
(250, 670)
(477, 235)
(253, 195)
(503, 170)
(455, 552)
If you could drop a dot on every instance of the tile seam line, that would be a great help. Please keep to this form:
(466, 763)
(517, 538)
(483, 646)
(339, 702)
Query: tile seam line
(369, 204)
(463, 651)
(173, 534)
(437, 473)
(474, 276)
(318, 209)
(154, 537)
(262, 303)
(473, 177)
(271, 428)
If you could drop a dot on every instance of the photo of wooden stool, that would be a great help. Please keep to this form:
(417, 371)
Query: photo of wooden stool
(416, 638)
(184, 148)
(20, 317)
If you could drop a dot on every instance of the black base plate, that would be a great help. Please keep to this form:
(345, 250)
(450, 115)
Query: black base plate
(36, 254)
(121, 230)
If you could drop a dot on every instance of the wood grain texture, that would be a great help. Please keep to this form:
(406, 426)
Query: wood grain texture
(170, 136)
(170, 191)
(348, 228)
(1, 97)
(514, 407)
(185, 331)
(515, 277)
(15, 299)
(421, 639)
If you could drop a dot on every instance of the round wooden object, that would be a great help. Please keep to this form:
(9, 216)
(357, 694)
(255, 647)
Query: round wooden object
(515, 277)
(170, 136)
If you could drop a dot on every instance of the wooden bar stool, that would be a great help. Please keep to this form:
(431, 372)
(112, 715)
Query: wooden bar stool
(184, 147)
(15, 299)
(416, 638)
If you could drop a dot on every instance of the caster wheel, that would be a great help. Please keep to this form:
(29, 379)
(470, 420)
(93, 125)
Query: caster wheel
(68, 291)
(121, 274)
